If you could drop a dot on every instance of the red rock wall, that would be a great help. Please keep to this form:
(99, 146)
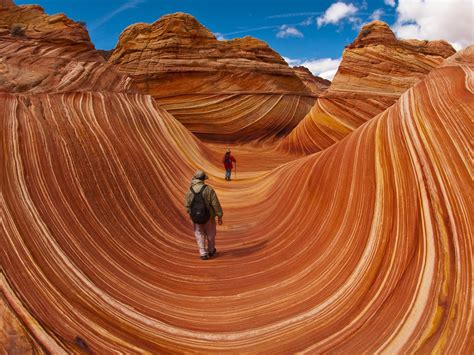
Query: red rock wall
(316, 84)
(372, 254)
(13, 337)
(238, 90)
(364, 247)
(375, 70)
(58, 35)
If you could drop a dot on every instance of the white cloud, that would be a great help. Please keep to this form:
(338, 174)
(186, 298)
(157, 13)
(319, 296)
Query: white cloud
(436, 19)
(377, 14)
(288, 31)
(295, 14)
(292, 62)
(308, 21)
(390, 3)
(219, 36)
(251, 30)
(325, 68)
(128, 5)
(328, 74)
(356, 23)
(336, 12)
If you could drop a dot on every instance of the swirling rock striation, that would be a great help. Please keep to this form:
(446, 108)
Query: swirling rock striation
(238, 90)
(23, 72)
(372, 255)
(375, 70)
(52, 54)
(58, 35)
(364, 247)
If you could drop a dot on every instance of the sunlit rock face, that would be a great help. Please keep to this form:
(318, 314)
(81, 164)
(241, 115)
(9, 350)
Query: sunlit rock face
(26, 71)
(374, 257)
(13, 336)
(238, 90)
(58, 35)
(365, 247)
(375, 70)
(41, 53)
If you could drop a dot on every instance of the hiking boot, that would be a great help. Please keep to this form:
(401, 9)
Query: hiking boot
(212, 252)
(204, 257)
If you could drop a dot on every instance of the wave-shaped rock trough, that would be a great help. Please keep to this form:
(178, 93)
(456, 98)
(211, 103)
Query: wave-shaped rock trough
(375, 247)
(363, 247)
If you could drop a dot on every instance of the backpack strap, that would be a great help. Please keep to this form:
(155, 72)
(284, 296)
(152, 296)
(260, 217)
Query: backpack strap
(199, 192)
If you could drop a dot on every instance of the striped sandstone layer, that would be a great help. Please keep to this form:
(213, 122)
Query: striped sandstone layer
(364, 247)
(51, 54)
(375, 70)
(238, 90)
(58, 35)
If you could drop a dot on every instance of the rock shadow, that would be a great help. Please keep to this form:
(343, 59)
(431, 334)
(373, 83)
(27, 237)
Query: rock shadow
(244, 251)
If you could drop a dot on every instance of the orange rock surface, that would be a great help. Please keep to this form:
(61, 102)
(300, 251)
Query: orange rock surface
(375, 70)
(58, 35)
(363, 247)
(52, 54)
(13, 337)
(238, 90)
(315, 83)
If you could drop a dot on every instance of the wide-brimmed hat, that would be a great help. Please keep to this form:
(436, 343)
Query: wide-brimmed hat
(201, 175)
(228, 150)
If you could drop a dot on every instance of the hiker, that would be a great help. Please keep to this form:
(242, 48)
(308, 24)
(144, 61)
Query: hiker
(203, 206)
(228, 160)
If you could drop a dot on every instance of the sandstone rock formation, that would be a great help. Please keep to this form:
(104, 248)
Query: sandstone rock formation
(52, 53)
(221, 90)
(58, 35)
(375, 70)
(98, 246)
(13, 337)
(371, 252)
(315, 83)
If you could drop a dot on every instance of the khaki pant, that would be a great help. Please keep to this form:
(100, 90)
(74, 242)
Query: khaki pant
(203, 233)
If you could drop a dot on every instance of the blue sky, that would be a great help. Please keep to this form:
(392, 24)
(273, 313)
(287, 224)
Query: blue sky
(309, 32)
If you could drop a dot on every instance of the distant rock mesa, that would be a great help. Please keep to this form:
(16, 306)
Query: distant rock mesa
(41, 53)
(221, 90)
(315, 83)
(375, 70)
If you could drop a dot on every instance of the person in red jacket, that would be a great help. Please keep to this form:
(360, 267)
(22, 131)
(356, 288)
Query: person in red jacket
(228, 164)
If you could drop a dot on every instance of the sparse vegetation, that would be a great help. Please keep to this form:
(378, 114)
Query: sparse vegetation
(82, 23)
(17, 29)
(365, 33)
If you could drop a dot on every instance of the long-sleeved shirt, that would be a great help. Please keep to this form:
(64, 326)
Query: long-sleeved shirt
(209, 196)
(228, 162)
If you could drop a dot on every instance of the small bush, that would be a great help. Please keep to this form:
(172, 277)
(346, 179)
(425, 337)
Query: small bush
(82, 23)
(365, 33)
(17, 29)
